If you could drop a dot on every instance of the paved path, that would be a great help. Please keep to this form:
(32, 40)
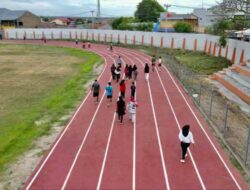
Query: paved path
(95, 152)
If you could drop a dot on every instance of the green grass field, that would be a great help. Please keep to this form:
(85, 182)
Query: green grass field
(201, 63)
(38, 85)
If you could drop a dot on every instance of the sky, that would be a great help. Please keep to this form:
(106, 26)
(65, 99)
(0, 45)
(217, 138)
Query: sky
(83, 7)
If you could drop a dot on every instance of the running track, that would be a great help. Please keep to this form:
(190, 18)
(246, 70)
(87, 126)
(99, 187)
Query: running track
(95, 152)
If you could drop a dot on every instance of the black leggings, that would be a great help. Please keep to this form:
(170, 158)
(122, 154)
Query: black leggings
(184, 147)
(120, 117)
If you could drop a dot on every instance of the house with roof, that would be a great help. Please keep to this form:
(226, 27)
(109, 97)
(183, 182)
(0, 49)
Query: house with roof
(168, 20)
(61, 21)
(18, 19)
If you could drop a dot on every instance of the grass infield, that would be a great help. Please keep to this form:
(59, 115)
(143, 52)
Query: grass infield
(38, 86)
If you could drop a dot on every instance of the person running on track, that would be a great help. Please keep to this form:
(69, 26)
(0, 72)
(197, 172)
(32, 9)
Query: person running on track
(130, 72)
(118, 74)
(109, 93)
(132, 109)
(83, 45)
(133, 89)
(153, 63)
(76, 42)
(135, 72)
(146, 71)
(111, 47)
(126, 71)
(96, 89)
(89, 45)
(122, 88)
(186, 137)
(120, 109)
(119, 61)
(159, 63)
(112, 69)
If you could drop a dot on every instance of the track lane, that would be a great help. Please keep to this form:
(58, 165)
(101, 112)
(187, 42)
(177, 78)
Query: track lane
(207, 168)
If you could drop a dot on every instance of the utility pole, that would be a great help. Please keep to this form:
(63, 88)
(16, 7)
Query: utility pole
(92, 12)
(202, 4)
(98, 9)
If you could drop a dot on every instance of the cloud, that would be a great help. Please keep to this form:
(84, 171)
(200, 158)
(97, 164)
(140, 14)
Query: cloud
(83, 7)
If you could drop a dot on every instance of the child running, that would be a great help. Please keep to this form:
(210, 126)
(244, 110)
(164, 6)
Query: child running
(109, 93)
(122, 88)
(186, 137)
(120, 109)
(132, 109)
(96, 89)
(135, 72)
(119, 61)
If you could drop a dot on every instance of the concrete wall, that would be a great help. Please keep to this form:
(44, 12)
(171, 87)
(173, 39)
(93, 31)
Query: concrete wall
(235, 51)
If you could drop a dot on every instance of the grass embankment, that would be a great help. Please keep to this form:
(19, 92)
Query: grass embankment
(39, 85)
(199, 62)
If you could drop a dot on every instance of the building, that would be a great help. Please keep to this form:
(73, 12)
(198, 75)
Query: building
(18, 19)
(168, 20)
(61, 21)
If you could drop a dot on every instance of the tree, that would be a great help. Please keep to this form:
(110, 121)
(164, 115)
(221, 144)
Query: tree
(183, 27)
(232, 6)
(148, 11)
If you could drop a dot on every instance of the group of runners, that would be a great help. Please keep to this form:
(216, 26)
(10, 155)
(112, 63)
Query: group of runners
(131, 73)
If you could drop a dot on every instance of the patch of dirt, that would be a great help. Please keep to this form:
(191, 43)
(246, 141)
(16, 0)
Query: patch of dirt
(17, 173)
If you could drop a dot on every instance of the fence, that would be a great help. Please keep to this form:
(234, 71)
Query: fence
(232, 124)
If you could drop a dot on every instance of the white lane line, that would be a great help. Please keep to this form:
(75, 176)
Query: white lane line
(134, 152)
(110, 135)
(59, 139)
(201, 126)
(105, 155)
(157, 130)
(179, 126)
(83, 142)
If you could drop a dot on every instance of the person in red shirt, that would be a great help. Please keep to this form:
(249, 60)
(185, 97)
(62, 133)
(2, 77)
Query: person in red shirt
(122, 88)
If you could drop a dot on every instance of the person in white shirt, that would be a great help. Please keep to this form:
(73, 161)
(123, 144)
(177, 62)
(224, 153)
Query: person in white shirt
(186, 138)
(159, 63)
(132, 109)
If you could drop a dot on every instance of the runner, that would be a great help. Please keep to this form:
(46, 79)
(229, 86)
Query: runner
(135, 72)
(113, 68)
(186, 137)
(119, 61)
(132, 109)
(159, 63)
(118, 74)
(83, 45)
(111, 47)
(76, 42)
(153, 63)
(122, 88)
(130, 71)
(126, 71)
(146, 71)
(120, 109)
(109, 93)
(96, 89)
(133, 88)
(89, 45)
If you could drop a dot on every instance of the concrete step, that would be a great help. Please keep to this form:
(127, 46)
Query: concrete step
(245, 81)
(234, 86)
(243, 70)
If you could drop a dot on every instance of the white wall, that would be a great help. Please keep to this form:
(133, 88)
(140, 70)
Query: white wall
(86, 34)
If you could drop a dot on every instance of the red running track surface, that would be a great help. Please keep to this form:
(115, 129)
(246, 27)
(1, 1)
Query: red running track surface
(94, 151)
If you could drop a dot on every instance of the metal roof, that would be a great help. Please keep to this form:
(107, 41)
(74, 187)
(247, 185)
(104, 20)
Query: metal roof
(6, 14)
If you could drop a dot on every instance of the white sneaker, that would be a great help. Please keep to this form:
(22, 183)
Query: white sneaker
(182, 160)
(186, 155)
